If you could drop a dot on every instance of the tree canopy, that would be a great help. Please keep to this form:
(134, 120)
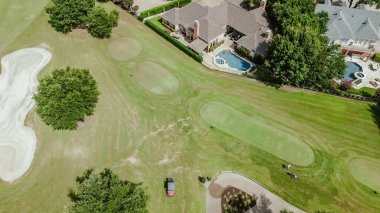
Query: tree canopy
(66, 97)
(101, 23)
(66, 15)
(299, 53)
(105, 192)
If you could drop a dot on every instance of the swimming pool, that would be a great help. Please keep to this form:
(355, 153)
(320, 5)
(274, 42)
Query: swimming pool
(234, 61)
(351, 68)
(219, 61)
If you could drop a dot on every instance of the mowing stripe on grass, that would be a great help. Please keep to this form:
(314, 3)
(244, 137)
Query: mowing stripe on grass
(366, 172)
(258, 133)
(155, 78)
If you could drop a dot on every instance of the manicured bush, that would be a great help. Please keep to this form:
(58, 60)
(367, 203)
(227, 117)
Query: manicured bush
(377, 57)
(163, 8)
(66, 97)
(175, 42)
(346, 85)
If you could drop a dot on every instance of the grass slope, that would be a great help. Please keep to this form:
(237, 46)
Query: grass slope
(255, 130)
(147, 137)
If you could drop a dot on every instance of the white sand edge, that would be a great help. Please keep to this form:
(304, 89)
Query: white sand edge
(18, 84)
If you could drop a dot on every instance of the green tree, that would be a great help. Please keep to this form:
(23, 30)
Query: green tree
(101, 23)
(66, 97)
(249, 4)
(105, 192)
(127, 4)
(300, 54)
(65, 15)
(357, 3)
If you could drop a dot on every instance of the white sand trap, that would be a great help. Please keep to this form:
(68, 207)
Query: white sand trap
(18, 83)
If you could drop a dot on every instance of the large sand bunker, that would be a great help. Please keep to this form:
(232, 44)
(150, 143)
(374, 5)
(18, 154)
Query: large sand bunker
(18, 83)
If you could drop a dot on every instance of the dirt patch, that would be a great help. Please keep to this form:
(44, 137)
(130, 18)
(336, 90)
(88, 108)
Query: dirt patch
(124, 48)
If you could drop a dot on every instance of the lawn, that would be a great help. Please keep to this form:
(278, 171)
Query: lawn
(145, 137)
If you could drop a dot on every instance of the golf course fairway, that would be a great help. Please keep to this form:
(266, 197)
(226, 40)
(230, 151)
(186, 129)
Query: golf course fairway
(262, 135)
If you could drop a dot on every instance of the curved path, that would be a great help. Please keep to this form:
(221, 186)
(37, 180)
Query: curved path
(266, 200)
(18, 83)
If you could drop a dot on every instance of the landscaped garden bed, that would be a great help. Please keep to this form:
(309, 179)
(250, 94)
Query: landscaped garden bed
(235, 201)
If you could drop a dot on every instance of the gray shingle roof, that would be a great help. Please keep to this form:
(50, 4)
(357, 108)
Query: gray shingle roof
(351, 23)
(213, 20)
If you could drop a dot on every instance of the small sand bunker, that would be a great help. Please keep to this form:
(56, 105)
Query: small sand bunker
(124, 48)
(18, 83)
(366, 172)
(155, 78)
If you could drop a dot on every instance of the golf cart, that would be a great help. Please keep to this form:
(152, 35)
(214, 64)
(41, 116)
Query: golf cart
(170, 186)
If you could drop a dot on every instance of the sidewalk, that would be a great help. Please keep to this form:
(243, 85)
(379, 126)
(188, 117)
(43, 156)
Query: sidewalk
(266, 200)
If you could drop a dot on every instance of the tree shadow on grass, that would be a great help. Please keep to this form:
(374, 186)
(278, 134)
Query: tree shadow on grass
(375, 110)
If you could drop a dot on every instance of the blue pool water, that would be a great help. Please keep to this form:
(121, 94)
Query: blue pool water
(351, 68)
(234, 61)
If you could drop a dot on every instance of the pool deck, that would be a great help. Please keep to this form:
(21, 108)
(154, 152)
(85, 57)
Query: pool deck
(209, 58)
(370, 75)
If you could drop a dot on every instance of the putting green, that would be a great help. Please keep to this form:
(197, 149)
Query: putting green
(124, 48)
(155, 78)
(366, 172)
(260, 134)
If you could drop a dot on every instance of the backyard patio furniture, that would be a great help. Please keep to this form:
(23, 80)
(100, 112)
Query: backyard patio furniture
(374, 67)
(377, 79)
(374, 84)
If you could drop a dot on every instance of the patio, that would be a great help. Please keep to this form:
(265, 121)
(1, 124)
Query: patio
(370, 74)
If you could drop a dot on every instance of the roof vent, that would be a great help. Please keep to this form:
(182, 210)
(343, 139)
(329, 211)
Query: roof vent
(364, 22)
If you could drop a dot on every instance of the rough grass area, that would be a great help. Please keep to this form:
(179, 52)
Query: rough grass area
(155, 78)
(146, 137)
(366, 172)
(256, 130)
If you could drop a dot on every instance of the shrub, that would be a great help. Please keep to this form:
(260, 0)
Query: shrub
(66, 97)
(175, 42)
(162, 8)
(376, 57)
(101, 23)
(346, 85)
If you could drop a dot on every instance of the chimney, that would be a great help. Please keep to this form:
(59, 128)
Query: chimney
(263, 3)
(196, 29)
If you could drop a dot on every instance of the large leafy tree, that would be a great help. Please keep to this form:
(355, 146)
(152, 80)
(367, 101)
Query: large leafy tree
(357, 3)
(66, 15)
(105, 192)
(66, 97)
(101, 22)
(299, 53)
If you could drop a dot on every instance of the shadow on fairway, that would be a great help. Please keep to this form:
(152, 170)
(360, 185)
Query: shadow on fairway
(375, 110)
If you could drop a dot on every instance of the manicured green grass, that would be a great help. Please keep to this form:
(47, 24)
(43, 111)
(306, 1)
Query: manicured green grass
(366, 172)
(257, 130)
(146, 137)
(364, 91)
(155, 78)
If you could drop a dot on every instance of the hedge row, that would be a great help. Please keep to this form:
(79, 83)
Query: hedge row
(163, 8)
(174, 41)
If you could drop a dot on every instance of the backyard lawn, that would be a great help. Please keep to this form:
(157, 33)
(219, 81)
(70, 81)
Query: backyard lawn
(161, 114)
